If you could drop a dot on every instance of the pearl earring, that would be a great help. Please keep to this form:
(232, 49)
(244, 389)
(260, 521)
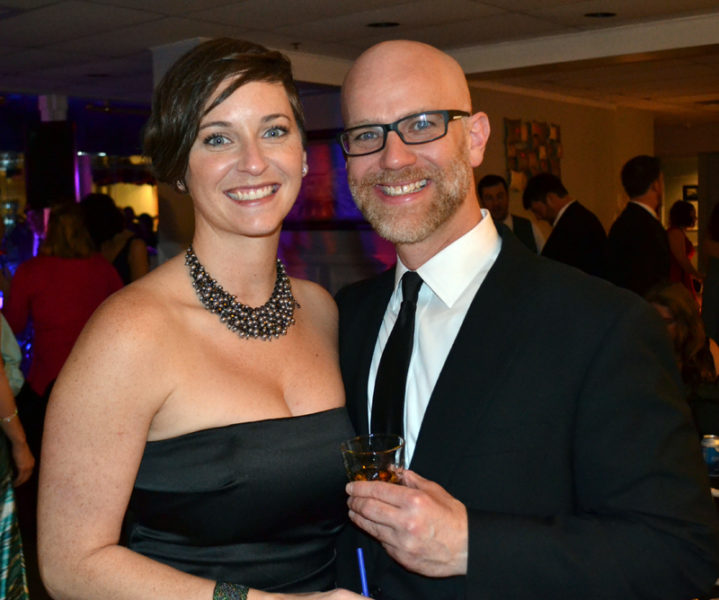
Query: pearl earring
(304, 170)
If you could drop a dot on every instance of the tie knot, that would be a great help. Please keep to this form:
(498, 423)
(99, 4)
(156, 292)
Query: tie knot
(411, 282)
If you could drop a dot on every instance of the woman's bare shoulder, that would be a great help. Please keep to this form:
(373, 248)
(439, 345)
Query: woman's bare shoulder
(312, 293)
(316, 306)
(139, 310)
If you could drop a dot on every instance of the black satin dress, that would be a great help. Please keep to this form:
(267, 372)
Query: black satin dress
(256, 503)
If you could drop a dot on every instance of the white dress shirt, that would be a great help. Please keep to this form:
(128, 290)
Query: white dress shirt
(645, 207)
(451, 280)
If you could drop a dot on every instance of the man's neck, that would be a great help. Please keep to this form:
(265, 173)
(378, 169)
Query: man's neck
(648, 200)
(413, 256)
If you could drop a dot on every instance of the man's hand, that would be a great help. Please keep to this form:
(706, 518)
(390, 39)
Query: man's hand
(419, 524)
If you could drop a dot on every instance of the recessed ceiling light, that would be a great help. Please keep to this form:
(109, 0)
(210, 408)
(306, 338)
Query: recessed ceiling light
(382, 24)
(600, 15)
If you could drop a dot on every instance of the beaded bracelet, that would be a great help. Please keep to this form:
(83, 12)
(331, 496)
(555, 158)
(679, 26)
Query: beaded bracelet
(230, 591)
(9, 418)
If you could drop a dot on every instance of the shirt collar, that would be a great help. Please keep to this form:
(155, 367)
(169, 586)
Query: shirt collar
(450, 271)
(645, 207)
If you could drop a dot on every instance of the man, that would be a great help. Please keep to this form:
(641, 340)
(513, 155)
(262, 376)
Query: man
(494, 196)
(638, 255)
(551, 454)
(578, 237)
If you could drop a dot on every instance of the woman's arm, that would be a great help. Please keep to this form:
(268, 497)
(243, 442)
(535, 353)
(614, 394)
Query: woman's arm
(677, 245)
(13, 429)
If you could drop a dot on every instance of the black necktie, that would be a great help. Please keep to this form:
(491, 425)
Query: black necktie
(389, 387)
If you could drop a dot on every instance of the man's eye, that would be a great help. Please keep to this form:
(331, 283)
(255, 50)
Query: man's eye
(365, 135)
(421, 124)
(216, 139)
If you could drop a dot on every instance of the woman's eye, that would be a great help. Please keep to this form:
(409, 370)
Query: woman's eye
(276, 132)
(216, 139)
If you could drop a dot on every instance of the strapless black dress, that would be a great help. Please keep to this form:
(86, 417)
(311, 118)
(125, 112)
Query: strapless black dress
(256, 503)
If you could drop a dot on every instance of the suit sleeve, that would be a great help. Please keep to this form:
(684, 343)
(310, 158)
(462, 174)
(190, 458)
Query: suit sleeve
(643, 524)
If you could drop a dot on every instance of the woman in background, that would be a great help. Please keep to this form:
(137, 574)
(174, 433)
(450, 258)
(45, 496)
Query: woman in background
(57, 291)
(16, 458)
(710, 293)
(121, 246)
(203, 404)
(697, 355)
(682, 216)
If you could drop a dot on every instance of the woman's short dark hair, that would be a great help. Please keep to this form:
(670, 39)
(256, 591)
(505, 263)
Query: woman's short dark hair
(682, 214)
(179, 100)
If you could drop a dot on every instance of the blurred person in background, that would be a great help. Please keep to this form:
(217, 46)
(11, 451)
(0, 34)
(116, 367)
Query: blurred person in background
(710, 291)
(121, 246)
(16, 467)
(697, 354)
(57, 291)
(682, 216)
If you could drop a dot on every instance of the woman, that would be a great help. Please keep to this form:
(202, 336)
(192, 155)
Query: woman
(57, 291)
(18, 458)
(697, 355)
(710, 293)
(120, 245)
(681, 216)
(217, 435)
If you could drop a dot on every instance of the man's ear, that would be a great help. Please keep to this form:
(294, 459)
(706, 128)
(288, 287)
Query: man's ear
(478, 135)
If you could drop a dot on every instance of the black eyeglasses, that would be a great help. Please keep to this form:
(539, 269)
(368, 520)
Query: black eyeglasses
(419, 128)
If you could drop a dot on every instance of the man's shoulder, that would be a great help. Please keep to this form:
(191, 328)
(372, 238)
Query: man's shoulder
(634, 219)
(363, 289)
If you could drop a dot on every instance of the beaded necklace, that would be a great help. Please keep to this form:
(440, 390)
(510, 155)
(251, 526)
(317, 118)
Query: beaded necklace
(265, 322)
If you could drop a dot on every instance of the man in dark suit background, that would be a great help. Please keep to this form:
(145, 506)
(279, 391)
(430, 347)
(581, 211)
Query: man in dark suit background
(494, 196)
(638, 255)
(578, 237)
(551, 453)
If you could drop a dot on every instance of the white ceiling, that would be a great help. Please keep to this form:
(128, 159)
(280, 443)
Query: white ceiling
(659, 55)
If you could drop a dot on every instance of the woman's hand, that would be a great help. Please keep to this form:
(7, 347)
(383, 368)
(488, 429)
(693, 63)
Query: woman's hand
(24, 462)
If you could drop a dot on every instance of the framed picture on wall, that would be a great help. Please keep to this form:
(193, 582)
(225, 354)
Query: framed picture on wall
(690, 193)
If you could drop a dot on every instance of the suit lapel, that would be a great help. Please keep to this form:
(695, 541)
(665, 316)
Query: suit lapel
(477, 361)
(372, 308)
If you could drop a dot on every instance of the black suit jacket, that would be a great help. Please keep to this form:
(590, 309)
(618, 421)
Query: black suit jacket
(578, 240)
(638, 255)
(558, 421)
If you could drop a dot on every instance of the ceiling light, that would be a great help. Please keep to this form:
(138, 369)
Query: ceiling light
(383, 24)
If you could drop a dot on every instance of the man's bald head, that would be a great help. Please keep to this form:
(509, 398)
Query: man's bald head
(405, 65)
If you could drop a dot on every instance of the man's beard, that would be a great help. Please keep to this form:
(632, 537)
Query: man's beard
(403, 224)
